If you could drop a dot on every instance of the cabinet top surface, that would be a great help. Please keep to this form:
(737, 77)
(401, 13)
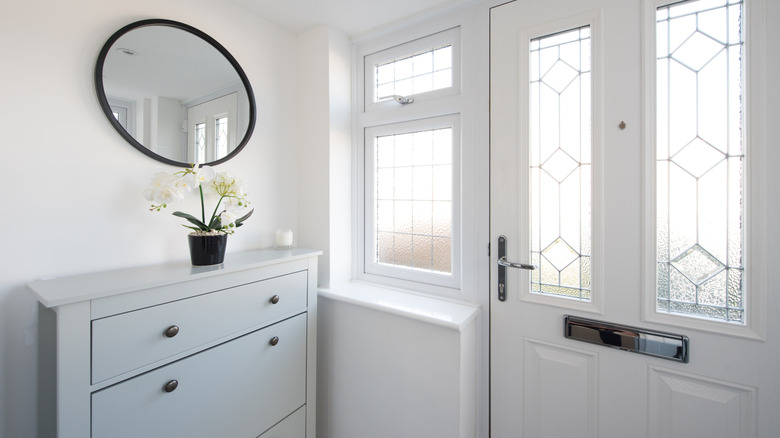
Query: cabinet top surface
(59, 291)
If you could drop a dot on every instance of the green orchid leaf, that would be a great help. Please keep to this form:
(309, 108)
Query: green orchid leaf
(192, 219)
(216, 223)
(240, 221)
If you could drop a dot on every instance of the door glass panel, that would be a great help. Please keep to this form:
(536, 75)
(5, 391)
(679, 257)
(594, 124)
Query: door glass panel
(700, 159)
(560, 163)
(200, 142)
(221, 136)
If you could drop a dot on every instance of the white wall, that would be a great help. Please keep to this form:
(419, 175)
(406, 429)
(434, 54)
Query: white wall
(71, 198)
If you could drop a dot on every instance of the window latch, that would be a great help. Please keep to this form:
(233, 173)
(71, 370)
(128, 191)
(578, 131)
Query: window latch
(403, 100)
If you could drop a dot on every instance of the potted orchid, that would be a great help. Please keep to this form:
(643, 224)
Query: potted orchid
(208, 238)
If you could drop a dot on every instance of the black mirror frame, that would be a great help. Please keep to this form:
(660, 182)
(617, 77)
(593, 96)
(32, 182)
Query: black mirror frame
(101, 94)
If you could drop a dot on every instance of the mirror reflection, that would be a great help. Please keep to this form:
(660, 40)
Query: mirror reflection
(174, 93)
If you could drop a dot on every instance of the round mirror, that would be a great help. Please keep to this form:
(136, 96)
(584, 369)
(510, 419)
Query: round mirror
(175, 93)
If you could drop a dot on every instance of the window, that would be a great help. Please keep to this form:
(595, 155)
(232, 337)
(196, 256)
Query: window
(409, 194)
(700, 160)
(560, 161)
(426, 68)
(414, 74)
(409, 180)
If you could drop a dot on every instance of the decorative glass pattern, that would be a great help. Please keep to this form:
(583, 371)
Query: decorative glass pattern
(221, 136)
(413, 200)
(700, 158)
(200, 142)
(418, 73)
(560, 140)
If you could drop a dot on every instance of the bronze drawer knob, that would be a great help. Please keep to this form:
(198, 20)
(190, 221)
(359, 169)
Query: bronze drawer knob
(274, 341)
(171, 331)
(274, 299)
(171, 386)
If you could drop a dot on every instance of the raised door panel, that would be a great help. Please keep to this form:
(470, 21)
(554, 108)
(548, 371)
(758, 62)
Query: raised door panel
(238, 389)
(131, 340)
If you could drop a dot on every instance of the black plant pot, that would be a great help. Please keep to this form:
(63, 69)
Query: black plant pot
(207, 250)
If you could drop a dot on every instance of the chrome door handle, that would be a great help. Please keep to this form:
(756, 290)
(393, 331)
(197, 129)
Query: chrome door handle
(504, 262)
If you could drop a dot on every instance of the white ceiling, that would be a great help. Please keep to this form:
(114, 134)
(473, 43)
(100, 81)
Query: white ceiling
(353, 17)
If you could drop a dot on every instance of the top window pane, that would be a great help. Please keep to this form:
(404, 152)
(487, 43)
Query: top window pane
(421, 72)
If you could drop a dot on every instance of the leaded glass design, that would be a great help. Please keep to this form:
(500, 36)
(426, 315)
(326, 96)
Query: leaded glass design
(560, 161)
(413, 200)
(200, 142)
(700, 159)
(221, 136)
(418, 73)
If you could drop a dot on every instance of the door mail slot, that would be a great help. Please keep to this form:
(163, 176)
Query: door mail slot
(652, 343)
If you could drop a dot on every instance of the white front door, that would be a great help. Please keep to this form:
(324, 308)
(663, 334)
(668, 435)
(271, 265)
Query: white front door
(575, 192)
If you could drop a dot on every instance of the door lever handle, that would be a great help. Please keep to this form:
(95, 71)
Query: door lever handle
(506, 263)
(503, 263)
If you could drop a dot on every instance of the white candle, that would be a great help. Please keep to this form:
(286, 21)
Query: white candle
(284, 238)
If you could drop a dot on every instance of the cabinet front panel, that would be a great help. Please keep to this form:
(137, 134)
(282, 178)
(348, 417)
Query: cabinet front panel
(128, 341)
(238, 389)
(293, 426)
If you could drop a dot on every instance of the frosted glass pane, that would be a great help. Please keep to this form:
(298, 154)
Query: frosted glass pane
(403, 250)
(385, 248)
(442, 218)
(713, 291)
(560, 149)
(384, 215)
(442, 254)
(403, 217)
(422, 250)
(413, 200)
(423, 217)
(699, 175)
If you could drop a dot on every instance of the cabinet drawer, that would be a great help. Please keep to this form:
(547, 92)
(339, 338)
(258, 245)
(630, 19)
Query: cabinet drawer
(293, 426)
(238, 389)
(124, 342)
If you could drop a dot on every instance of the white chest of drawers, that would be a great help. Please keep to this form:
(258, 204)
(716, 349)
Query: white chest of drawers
(180, 351)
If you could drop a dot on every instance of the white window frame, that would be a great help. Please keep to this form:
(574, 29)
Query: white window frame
(755, 281)
(372, 269)
(428, 111)
(449, 36)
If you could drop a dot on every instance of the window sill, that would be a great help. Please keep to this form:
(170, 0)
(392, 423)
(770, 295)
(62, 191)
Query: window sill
(432, 310)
